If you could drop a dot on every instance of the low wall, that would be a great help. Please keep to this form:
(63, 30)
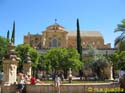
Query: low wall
(7, 88)
(67, 88)
(75, 88)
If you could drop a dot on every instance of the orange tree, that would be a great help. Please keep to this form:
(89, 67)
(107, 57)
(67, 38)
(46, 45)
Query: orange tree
(61, 59)
(22, 50)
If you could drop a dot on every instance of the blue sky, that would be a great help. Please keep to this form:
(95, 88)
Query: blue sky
(35, 15)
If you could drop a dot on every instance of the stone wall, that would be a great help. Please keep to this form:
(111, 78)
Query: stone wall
(66, 88)
(74, 88)
(103, 51)
(8, 89)
(64, 38)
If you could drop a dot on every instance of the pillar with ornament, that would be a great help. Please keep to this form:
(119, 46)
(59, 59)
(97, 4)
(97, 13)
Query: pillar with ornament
(27, 66)
(10, 62)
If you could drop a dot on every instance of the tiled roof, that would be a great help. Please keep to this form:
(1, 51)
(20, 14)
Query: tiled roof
(86, 33)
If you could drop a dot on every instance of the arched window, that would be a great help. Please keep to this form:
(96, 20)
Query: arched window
(59, 44)
(49, 44)
(54, 43)
(36, 40)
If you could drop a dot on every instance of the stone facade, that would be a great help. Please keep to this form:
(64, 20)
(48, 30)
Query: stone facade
(57, 36)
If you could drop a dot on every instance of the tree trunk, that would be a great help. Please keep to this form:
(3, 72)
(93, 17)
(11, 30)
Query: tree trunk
(65, 73)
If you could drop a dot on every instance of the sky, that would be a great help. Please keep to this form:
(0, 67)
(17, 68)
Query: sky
(35, 15)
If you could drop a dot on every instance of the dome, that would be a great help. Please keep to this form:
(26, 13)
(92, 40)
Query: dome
(55, 27)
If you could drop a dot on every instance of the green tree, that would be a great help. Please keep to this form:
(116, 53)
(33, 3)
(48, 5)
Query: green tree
(8, 34)
(44, 64)
(87, 69)
(115, 58)
(92, 52)
(120, 40)
(13, 33)
(54, 57)
(91, 66)
(62, 59)
(34, 58)
(3, 48)
(100, 67)
(79, 46)
(121, 60)
(22, 51)
(118, 60)
(71, 60)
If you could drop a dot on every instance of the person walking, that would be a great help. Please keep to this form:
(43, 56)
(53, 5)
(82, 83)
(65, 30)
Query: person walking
(70, 75)
(122, 83)
(61, 75)
(57, 83)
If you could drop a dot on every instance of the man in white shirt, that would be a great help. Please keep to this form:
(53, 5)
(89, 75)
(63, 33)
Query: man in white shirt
(57, 83)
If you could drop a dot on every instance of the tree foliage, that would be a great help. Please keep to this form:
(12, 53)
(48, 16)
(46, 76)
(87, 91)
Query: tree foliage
(13, 33)
(97, 64)
(8, 35)
(44, 63)
(34, 57)
(120, 40)
(79, 46)
(92, 52)
(3, 48)
(118, 60)
(100, 66)
(61, 59)
(22, 51)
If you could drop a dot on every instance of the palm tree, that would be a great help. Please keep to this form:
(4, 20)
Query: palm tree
(120, 40)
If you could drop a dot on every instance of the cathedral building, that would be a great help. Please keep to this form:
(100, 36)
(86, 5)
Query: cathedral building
(57, 36)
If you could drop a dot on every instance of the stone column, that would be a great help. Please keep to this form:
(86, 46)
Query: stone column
(27, 65)
(10, 62)
(111, 73)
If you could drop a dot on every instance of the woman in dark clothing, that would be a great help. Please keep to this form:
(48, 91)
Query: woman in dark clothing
(122, 83)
